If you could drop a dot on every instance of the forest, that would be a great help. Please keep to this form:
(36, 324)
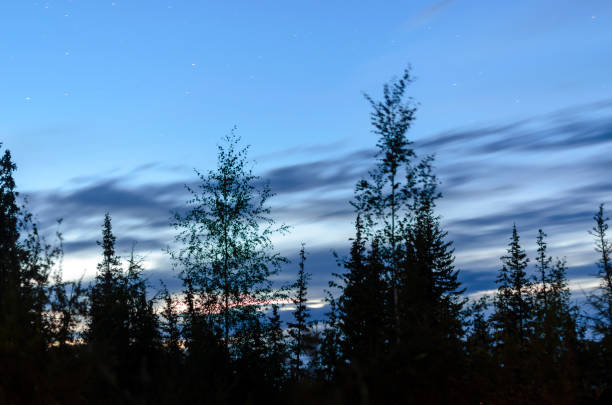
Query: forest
(399, 327)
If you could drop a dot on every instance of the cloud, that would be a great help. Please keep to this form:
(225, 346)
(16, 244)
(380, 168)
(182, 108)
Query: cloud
(547, 171)
(581, 126)
(328, 174)
(428, 13)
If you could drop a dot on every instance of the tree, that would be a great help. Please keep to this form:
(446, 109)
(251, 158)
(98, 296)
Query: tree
(68, 304)
(299, 329)
(479, 349)
(170, 326)
(109, 310)
(513, 306)
(555, 316)
(603, 301)
(429, 279)
(277, 353)
(382, 199)
(143, 325)
(227, 251)
(512, 319)
(430, 293)
(328, 357)
(11, 255)
(363, 304)
(25, 264)
(555, 333)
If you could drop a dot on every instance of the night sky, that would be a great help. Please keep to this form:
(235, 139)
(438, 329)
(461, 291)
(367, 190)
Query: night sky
(110, 105)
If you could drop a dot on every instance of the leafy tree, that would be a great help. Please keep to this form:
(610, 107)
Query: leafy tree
(68, 305)
(226, 252)
(382, 199)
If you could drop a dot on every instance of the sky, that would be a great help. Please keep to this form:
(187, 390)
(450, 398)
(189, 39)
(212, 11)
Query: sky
(110, 105)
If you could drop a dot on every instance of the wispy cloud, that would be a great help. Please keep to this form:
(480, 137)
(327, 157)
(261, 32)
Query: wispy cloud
(548, 171)
(427, 14)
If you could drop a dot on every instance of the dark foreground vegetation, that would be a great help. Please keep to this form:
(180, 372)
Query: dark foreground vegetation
(398, 330)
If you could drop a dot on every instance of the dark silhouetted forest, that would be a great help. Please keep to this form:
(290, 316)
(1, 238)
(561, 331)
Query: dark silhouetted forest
(399, 329)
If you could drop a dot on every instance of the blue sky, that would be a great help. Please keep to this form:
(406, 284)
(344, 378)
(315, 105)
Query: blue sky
(109, 105)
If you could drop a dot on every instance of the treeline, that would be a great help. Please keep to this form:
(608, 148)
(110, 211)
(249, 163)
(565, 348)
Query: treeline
(399, 328)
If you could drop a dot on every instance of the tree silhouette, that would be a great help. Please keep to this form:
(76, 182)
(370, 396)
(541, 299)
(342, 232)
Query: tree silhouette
(513, 319)
(300, 327)
(226, 251)
(382, 200)
(363, 305)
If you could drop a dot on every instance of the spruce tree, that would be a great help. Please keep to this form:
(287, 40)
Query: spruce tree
(11, 255)
(25, 264)
(109, 310)
(277, 350)
(299, 329)
(555, 333)
(170, 326)
(329, 354)
(363, 304)
(513, 306)
(602, 301)
(513, 321)
(430, 300)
